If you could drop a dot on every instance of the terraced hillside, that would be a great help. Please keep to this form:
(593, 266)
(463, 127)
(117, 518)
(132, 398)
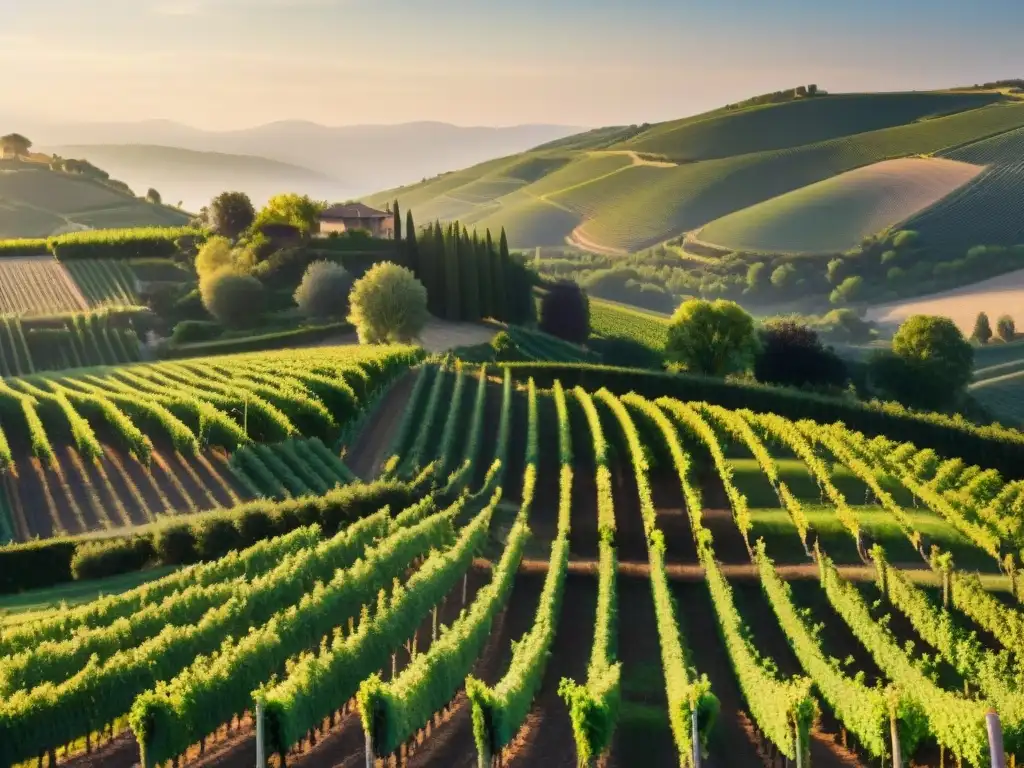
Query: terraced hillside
(37, 202)
(658, 571)
(619, 191)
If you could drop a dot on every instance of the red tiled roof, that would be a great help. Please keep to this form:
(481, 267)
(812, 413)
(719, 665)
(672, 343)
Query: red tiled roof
(353, 211)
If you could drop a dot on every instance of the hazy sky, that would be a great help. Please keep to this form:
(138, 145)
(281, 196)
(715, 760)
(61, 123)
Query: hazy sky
(235, 63)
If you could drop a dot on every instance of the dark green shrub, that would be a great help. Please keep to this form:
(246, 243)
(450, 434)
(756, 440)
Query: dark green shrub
(175, 545)
(216, 537)
(255, 524)
(237, 301)
(196, 330)
(36, 564)
(101, 558)
(323, 292)
(565, 312)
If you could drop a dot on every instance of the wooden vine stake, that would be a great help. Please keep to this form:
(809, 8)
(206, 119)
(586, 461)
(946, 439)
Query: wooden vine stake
(897, 757)
(370, 757)
(695, 736)
(995, 739)
(261, 759)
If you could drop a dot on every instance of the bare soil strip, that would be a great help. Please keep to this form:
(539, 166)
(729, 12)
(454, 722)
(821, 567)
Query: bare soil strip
(366, 455)
(546, 738)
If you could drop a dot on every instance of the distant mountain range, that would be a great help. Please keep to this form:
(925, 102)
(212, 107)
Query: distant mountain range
(328, 162)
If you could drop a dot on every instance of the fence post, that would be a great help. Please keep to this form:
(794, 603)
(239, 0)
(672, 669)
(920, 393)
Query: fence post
(995, 739)
(695, 736)
(261, 759)
(465, 584)
(799, 747)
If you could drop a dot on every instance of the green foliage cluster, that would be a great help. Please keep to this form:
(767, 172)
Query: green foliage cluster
(992, 446)
(335, 580)
(316, 682)
(323, 291)
(44, 563)
(711, 338)
(929, 366)
(955, 722)
(469, 277)
(388, 304)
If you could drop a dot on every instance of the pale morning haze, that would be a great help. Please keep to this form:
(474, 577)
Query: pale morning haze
(222, 64)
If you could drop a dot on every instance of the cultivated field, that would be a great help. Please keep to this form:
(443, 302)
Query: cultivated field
(111, 447)
(619, 545)
(835, 215)
(37, 285)
(1003, 295)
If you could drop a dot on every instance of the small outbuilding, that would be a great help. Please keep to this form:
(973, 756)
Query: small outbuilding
(353, 216)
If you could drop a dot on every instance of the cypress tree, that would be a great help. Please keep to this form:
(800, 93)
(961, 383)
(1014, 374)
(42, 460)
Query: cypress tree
(469, 277)
(398, 221)
(453, 305)
(439, 268)
(500, 261)
(412, 254)
(483, 263)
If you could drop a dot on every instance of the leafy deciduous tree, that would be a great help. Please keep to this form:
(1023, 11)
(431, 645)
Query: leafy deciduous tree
(982, 329)
(231, 213)
(1006, 328)
(565, 312)
(930, 364)
(15, 144)
(791, 354)
(714, 338)
(300, 211)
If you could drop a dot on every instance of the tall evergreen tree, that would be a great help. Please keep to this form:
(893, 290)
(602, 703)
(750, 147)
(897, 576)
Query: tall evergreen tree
(439, 268)
(469, 276)
(398, 221)
(453, 304)
(483, 263)
(412, 254)
(502, 274)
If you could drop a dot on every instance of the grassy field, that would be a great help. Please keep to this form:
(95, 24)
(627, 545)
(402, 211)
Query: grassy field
(836, 214)
(38, 202)
(717, 164)
(41, 604)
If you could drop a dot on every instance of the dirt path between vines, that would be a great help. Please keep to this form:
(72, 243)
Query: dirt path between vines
(366, 456)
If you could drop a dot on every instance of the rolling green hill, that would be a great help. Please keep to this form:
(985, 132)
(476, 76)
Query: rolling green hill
(38, 202)
(624, 189)
(836, 214)
(989, 210)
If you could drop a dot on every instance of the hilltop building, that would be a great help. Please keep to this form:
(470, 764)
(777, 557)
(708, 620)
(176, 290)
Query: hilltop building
(349, 216)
